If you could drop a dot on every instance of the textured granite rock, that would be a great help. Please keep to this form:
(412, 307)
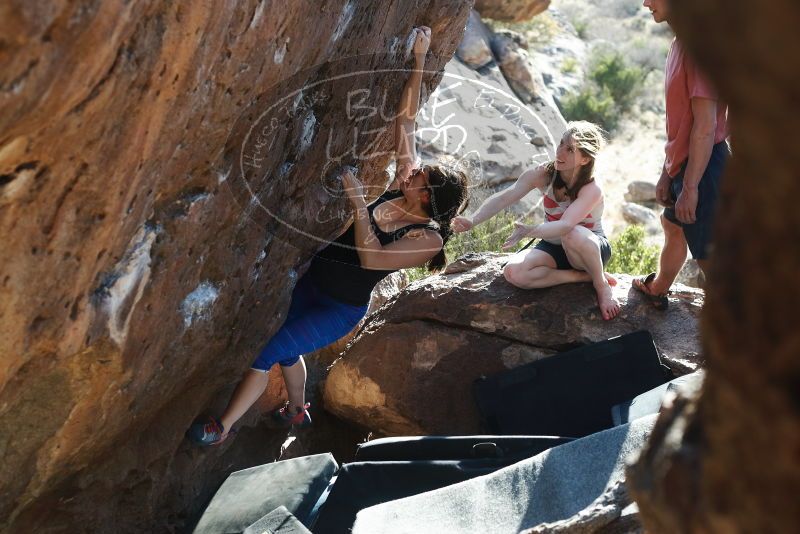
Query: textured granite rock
(641, 191)
(153, 214)
(638, 214)
(475, 117)
(517, 66)
(691, 275)
(474, 48)
(511, 10)
(441, 333)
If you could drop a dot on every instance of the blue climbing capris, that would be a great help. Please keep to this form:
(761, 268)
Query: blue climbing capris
(314, 320)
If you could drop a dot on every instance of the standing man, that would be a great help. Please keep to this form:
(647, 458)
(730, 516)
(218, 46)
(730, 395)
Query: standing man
(696, 153)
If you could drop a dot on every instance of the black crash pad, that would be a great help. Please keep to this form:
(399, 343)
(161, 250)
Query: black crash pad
(571, 393)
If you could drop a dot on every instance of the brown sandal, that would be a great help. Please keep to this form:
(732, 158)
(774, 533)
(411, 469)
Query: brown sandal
(659, 302)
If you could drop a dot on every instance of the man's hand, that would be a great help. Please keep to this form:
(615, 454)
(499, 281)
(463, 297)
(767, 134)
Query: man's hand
(520, 230)
(422, 41)
(686, 205)
(662, 189)
(461, 224)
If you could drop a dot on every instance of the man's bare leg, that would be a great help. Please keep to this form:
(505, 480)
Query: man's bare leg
(673, 256)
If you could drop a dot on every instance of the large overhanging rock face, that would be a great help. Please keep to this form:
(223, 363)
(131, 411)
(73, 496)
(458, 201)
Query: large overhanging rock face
(727, 462)
(149, 207)
(410, 370)
(511, 10)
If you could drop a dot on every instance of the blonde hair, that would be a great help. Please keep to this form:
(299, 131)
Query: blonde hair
(588, 136)
(589, 139)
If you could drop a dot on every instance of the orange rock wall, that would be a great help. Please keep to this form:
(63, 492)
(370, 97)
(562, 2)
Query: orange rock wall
(511, 10)
(137, 279)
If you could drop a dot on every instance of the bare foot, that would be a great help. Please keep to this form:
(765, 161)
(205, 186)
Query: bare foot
(609, 306)
(610, 279)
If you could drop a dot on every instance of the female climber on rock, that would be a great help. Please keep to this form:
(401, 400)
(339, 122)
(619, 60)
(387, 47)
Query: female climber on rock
(572, 246)
(407, 226)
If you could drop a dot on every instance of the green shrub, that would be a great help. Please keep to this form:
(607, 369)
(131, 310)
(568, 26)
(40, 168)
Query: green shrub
(612, 73)
(591, 104)
(630, 253)
(581, 29)
(646, 53)
(610, 91)
(486, 237)
(569, 65)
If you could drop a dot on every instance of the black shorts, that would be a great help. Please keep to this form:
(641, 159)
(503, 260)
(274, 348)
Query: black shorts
(559, 254)
(698, 234)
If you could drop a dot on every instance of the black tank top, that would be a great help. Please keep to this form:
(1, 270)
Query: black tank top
(336, 270)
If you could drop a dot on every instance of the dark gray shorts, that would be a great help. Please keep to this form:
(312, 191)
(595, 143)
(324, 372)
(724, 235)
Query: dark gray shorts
(560, 255)
(698, 234)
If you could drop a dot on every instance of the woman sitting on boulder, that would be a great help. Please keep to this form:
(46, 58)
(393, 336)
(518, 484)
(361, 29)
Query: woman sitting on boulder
(407, 226)
(572, 246)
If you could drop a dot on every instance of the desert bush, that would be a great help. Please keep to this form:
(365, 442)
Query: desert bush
(581, 28)
(591, 104)
(647, 53)
(631, 254)
(569, 65)
(611, 71)
(609, 92)
(624, 8)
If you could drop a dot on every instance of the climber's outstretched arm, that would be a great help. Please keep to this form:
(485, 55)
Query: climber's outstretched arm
(405, 123)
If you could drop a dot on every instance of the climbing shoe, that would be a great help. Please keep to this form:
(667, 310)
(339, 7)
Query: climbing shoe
(209, 432)
(281, 417)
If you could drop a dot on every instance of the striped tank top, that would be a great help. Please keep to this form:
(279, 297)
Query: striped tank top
(553, 210)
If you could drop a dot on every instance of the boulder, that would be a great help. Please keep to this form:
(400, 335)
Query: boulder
(562, 59)
(638, 214)
(475, 117)
(410, 370)
(518, 68)
(691, 274)
(641, 191)
(511, 10)
(474, 48)
(164, 168)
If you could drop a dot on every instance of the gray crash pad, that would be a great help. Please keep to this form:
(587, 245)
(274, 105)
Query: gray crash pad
(278, 521)
(548, 487)
(248, 495)
(650, 402)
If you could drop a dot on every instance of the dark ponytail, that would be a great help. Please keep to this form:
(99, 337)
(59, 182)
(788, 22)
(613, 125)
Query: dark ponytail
(449, 198)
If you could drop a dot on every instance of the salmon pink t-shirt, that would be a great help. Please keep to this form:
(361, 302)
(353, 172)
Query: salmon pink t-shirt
(683, 81)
